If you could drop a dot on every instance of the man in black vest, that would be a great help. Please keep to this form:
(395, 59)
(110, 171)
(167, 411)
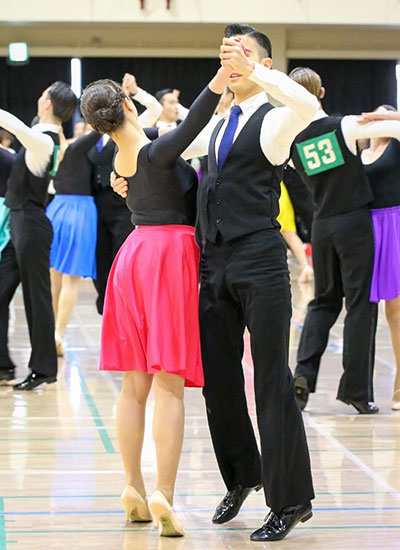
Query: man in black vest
(31, 231)
(328, 160)
(245, 282)
(9, 276)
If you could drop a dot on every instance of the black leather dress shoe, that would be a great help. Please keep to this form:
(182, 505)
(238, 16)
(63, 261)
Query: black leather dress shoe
(34, 380)
(230, 505)
(302, 391)
(277, 526)
(6, 376)
(363, 407)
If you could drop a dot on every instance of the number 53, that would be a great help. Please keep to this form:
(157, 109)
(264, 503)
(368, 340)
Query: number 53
(324, 155)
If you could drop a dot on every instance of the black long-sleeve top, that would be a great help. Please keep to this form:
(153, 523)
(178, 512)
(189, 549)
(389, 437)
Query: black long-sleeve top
(164, 187)
(384, 177)
(74, 175)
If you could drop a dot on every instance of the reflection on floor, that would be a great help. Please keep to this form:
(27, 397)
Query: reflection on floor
(61, 474)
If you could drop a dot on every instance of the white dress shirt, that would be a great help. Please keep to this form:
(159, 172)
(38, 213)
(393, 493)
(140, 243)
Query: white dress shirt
(153, 108)
(280, 125)
(39, 147)
(352, 130)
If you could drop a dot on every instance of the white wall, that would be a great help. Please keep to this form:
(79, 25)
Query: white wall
(319, 12)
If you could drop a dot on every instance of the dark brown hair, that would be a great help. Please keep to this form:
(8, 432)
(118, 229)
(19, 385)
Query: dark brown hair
(102, 105)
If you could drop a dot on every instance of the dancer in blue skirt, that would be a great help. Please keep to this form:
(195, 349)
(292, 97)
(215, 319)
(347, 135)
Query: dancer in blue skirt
(73, 215)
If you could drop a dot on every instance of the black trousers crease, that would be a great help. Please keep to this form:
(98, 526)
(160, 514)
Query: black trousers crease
(114, 226)
(343, 256)
(31, 236)
(245, 283)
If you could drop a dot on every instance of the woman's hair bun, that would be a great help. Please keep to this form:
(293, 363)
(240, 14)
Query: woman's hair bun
(102, 106)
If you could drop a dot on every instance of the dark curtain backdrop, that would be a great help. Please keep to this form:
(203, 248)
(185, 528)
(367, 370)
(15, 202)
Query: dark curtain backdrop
(353, 86)
(153, 74)
(22, 85)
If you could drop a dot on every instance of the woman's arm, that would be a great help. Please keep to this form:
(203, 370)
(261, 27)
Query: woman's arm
(167, 148)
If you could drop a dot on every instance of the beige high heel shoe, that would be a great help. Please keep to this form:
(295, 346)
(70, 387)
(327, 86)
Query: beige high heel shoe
(164, 516)
(396, 402)
(135, 505)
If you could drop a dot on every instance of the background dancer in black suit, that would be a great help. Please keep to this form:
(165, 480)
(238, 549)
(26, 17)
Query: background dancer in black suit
(9, 276)
(31, 231)
(327, 158)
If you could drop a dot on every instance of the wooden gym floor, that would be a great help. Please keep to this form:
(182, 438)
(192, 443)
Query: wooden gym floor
(61, 474)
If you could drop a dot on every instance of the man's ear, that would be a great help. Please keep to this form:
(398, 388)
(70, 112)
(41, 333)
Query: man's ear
(322, 93)
(267, 62)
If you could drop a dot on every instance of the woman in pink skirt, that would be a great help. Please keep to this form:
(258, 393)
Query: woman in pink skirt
(150, 324)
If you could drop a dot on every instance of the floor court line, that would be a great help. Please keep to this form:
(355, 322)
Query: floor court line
(366, 469)
(201, 529)
(192, 511)
(3, 534)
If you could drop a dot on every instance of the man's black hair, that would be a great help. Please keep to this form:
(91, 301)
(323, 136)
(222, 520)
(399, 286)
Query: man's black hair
(161, 93)
(263, 42)
(63, 99)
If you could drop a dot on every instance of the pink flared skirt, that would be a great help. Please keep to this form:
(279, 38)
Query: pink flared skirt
(150, 319)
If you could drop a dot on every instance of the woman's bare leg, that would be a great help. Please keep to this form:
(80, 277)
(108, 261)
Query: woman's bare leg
(392, 309)
(131, 410)
(168, 428)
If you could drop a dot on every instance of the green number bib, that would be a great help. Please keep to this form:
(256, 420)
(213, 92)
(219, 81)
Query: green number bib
(320, 154)
(56, 158)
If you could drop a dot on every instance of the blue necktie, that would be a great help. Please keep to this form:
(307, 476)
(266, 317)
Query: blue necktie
(229, 134)
(100, 144)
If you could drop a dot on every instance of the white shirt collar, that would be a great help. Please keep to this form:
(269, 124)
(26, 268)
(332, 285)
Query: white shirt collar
(320, 114)
(46, 127)
(253, 103)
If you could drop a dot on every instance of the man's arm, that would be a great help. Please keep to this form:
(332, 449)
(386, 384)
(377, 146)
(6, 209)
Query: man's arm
(153, 107)
(353, 130)
(283, 124)
(199, 147)
(39, 147)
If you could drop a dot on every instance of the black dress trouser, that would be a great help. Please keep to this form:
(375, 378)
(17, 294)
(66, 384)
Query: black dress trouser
(9, 280)
(245, 282)
(31, 235)
(113, 227)
(343, 257)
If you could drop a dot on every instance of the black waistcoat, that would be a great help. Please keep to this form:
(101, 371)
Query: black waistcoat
(7, 160)
(242, 197)
(102, 165)
(341, 185)
(23, 186)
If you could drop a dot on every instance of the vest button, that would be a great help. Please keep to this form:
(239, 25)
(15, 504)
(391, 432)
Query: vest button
(219, 201)
(218, 220)
(218, 182)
